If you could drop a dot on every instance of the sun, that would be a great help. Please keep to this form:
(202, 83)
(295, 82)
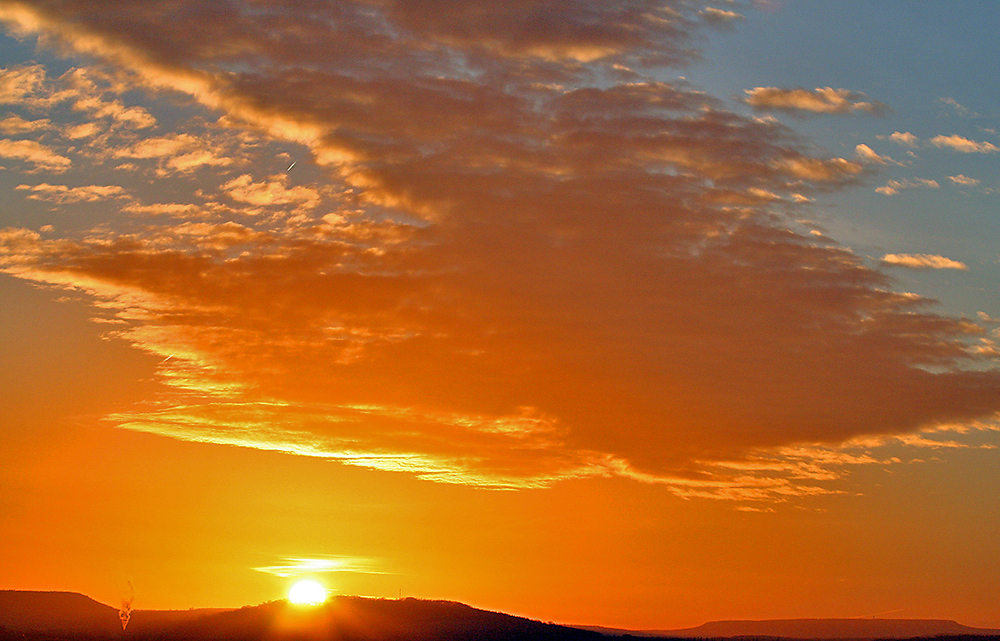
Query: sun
(307, 592)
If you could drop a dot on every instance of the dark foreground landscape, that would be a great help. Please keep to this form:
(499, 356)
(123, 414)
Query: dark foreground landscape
(66, 616)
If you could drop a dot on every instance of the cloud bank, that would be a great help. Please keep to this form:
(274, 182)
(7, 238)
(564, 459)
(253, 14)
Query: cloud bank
(509, 266)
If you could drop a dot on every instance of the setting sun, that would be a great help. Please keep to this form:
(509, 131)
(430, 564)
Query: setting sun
(307, 592)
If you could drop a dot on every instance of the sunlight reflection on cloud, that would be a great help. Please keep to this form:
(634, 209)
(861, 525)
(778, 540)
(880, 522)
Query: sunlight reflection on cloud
(516, 268)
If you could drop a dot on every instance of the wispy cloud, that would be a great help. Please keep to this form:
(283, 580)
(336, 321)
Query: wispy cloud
(176, 153)
(291, 567)
(80, 89)
(63, 194)
(720, 17)
(962, 179)
(964, 145)
(822, 100)
(41, 157)
(922, 261)
(960, 110)
(13, 125)
(893, 187)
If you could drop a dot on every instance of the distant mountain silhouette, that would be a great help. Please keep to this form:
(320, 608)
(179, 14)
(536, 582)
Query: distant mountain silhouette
(58, 616)
(65, 616)
(817, 629)
(345, 618)
(143, 622)
(66, 612)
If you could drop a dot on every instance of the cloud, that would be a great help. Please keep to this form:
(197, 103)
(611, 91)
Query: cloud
(954, 142)
(132, 117)
(964, 180)
(86, 95)
(822, 100)
(922, 261)
(62, 194)
(269, 193)
(298, 566)
(866, 154)
(893, 187)
(960, 110)
(42, 157)
(85, 91)
(18, 245)
(904, 138)
(964, 145)
(18, 84)
(177, 210)
(177, 153)
(83, 130)
(13, 125)
(508, 274)
(720, 17)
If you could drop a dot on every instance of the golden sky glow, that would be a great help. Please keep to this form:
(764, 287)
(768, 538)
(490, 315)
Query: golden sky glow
(483, 302)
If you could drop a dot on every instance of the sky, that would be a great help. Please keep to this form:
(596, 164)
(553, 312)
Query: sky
(635, 313)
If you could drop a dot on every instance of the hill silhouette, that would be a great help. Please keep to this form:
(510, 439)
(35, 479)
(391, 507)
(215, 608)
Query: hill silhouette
(143, 622)
(66, 616)
(345, 618)
(817, 629)
(57, 616)
(833, 629)
(65, 612)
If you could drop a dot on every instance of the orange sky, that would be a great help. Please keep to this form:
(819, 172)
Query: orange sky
(484, 303)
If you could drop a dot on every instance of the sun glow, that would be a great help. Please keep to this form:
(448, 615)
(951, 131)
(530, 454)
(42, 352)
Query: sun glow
(307, 592)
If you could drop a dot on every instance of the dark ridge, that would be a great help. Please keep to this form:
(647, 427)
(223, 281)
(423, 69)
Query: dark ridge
(656, 636)
(34, 616)
(833, 629)
(65, 616)
(361, 619)
(151, 621)
(62, 612)
(816, 629)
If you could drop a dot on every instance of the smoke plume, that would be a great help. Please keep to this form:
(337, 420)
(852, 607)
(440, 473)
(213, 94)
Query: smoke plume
(125, 611)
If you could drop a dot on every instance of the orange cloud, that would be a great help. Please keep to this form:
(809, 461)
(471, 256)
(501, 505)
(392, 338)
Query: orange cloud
(18, 84)
(964, 180)
(509, 274)
(270, 193)
(922, 261)
(62, 194)
(42, 158)
(822, 100)
(893, 187)
(866, 154)
(13, 125)
(964, 145)
(176, 152)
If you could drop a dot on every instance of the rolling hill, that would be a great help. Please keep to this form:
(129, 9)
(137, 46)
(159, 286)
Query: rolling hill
(815, 629)
(47, 616)
(66, 616)
(65, 612)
